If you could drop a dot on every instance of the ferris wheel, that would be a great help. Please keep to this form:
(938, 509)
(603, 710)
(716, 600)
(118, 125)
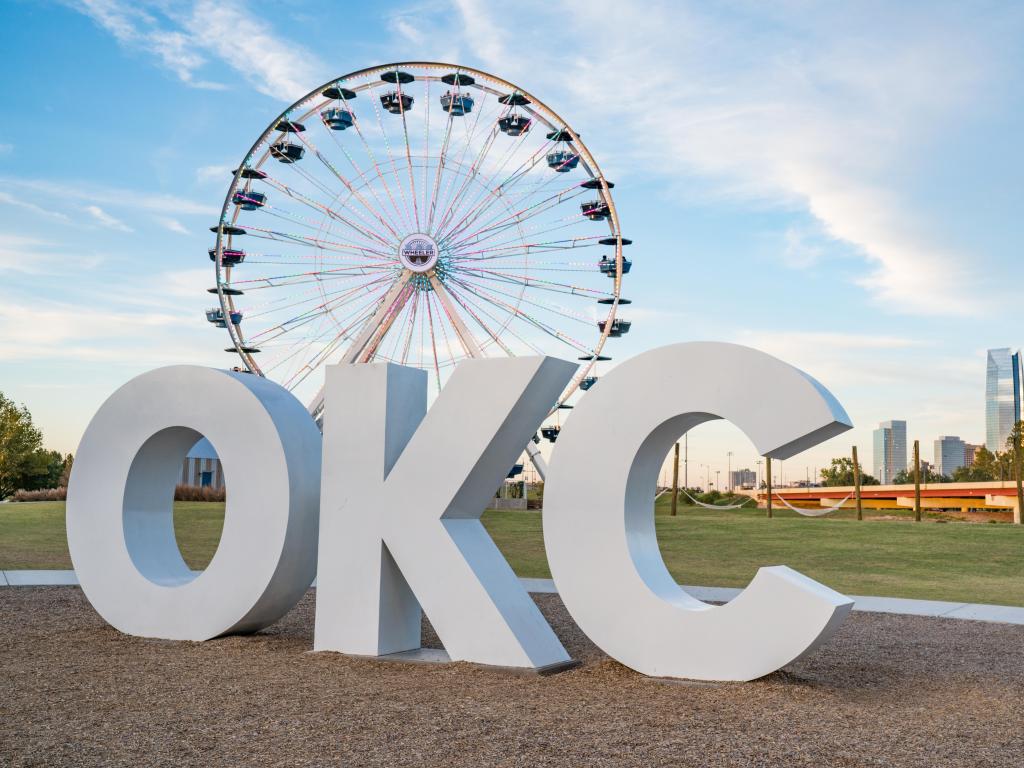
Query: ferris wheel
(423, 214)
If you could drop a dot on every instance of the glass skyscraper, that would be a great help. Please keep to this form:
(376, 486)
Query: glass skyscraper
(1002, 396)
(950, 454)
(890, 450)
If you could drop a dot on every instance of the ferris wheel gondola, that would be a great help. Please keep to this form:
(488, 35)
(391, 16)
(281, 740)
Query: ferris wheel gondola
(411, 213)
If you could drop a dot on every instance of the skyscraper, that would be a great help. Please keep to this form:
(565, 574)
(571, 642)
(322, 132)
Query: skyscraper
(1002, 396)
(890, 454)
(950, 454)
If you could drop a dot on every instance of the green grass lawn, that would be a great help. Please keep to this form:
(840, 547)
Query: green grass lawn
(935, 561)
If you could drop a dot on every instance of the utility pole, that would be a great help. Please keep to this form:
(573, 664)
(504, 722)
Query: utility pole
(686, 460)
(856, 484)
(757, 475)
(768, 474)
(728, 470)
(675, 481)
(917, 481)
(718, 483)
(1018, 468)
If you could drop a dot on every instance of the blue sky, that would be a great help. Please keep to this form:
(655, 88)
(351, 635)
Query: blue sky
(838, 184)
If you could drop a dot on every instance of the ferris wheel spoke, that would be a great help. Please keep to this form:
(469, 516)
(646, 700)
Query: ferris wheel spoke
(484, 307)
(508, 248)
(513, 148)
(394, 166)
(469, 133)
(520, 216)
(546, 306)
(408, 157)
(489, 193)
(301, 221)
(307, 317)
(486, 329)
(399, 214)
(442, 157)
(487, 295)
(504, 325)
(433, 341)
(340, 294)
(536, 283)
(532, 231)
(377, 325)
(466, 338)
(310, 276)
(353, 190)
(474, 168)
(320, 243)
(325, 209)
(411, 326)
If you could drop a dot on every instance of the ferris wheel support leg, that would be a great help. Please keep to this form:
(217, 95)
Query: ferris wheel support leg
(538, 461)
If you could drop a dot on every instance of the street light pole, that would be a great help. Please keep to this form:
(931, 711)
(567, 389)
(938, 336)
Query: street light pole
(728, 471)
(686, 460)
(675, 479)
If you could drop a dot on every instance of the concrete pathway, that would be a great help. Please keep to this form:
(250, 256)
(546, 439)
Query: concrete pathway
(1000, 614)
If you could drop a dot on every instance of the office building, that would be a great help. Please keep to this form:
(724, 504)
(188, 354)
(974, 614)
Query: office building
(950, 454)
(1002, 396)
(970, 451)
(742, 478)
(890, 450)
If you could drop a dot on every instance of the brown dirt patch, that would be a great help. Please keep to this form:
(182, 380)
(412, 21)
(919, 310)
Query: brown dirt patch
(886, 691)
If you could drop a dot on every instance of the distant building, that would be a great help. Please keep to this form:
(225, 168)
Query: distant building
(890, 450)
(742, 478)
(970, 452)
(950, 454)
(1002, 396)
(202, 467)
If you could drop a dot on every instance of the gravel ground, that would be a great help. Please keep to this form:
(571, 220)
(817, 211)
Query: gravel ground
(886, 691)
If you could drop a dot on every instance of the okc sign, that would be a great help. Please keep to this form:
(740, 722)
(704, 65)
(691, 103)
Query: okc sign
(385, 508)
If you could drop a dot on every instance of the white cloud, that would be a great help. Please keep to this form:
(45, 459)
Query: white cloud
(483, 35)
(274, 66)
(6, 149)
(172, 224)
(113, 196)
(219, 174)
(106, 220)
(183, 39)
(827, 114)
(9, 199)
(33, 256)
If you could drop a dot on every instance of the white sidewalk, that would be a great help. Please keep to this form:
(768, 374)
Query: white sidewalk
(1000, 614)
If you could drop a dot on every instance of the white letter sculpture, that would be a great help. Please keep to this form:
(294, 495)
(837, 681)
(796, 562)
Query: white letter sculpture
(120, 520)
(599, 525)
(402, 493)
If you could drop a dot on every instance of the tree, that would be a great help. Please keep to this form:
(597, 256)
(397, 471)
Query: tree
(984, 469)
(906, 476)
(841, 474)
(21, 454)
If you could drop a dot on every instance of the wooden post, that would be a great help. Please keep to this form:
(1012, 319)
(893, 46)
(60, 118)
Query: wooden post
(856, 484)
(917, 481)
(675, 480)
(768, 473)
(1018, 471)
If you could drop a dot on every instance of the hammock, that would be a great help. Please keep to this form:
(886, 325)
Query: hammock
(814, 512)
(713, 506)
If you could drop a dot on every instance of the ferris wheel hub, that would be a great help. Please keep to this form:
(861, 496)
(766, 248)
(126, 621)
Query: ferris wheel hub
(418, 252)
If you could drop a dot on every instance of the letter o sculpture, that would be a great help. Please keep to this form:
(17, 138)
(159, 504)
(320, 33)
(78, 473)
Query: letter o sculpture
(120, 518)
